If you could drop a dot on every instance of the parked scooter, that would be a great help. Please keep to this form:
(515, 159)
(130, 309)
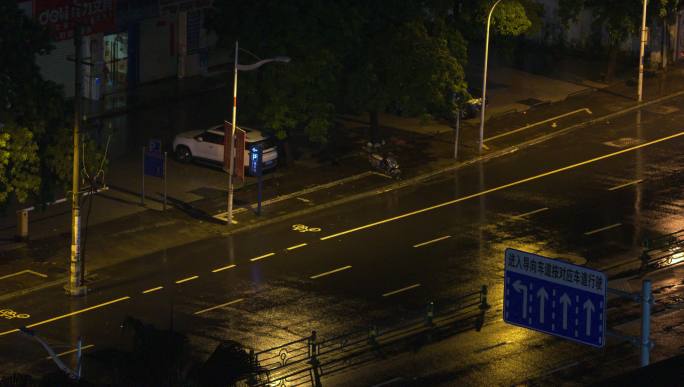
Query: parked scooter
(386, 164)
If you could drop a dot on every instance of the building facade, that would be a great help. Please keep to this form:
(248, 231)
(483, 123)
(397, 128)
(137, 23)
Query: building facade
(125, 42)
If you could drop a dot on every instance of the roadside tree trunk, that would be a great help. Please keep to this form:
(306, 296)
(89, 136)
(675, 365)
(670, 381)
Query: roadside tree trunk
(374, 127)
(612, 63)
(665, 46)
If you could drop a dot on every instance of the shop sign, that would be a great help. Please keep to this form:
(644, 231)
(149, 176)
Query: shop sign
(61, 16)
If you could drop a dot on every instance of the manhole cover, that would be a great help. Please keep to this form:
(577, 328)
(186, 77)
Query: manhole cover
(623, 142)
(530, 101)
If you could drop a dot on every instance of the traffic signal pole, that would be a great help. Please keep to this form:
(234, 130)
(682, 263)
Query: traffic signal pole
(76, 265)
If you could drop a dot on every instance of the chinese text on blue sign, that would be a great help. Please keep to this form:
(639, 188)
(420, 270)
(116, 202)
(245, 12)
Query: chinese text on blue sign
(255, 160)
(555, 297)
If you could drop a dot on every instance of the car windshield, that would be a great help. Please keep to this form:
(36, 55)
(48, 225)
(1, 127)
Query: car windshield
(265, 143)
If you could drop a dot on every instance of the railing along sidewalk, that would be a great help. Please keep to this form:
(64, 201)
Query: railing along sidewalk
(305, 361)
(663, 251)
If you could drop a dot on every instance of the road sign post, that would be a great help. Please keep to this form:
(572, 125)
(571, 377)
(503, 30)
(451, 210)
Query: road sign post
(154, 164)
(255, 168)
(555, 297)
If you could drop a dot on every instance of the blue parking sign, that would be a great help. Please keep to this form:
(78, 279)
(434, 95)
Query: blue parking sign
(555, 297)
(153, 164)
(255, 160)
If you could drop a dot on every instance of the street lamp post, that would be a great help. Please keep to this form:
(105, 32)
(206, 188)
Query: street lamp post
(642, 46)
(484, 77)
(231, 162)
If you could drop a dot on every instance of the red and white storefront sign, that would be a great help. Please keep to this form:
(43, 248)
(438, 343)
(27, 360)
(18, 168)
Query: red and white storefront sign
(60, 16)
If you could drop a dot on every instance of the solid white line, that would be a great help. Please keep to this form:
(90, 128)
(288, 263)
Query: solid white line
(531, 213)
(219, 306)
(152, 290)
(603, 229)
(262, 257)
(296, 246)
(74, 313)
(432, 241)
(625, 185)
(502, 187)
(330, 272)
(187, 279)
(83, 348)
(537, 123)
(22, 272)
(223, 268)
(223, 215)
(400, 290)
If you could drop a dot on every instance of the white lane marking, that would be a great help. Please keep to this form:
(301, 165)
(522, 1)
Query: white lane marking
(531, 213)
(223, 215)
(296, 246)
(433, 241)
(22, 272)
(502, 187)
(330, 272)
(187, 279)
(625, 185)
(603, 229)
(223, 268)
(262, 257)
(400, 290)
(537, 123)
(219, 306)
(152, 290)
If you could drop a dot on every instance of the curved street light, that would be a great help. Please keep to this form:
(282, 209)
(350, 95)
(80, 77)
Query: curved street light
(231, 167)
(484, 77)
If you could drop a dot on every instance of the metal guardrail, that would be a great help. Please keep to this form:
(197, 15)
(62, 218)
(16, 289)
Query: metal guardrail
(304, 361)
(663, 251)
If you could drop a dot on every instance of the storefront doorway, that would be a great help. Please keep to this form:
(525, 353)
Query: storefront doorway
(115, 62)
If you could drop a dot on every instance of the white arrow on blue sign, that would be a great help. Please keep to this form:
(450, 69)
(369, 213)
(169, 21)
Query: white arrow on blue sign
(555, 297)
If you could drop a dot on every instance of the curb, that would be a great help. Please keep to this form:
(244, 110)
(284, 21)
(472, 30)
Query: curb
(391, 187)
(431, 174)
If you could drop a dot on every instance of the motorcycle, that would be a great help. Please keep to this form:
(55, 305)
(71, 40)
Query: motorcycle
(386, 164)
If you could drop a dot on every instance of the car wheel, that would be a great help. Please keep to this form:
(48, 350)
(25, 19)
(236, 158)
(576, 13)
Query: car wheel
(183, 154)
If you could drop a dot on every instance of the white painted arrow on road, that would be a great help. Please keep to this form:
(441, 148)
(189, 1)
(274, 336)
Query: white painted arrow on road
(589, 307)
(522, 288)
(543, 296)
(565, 300)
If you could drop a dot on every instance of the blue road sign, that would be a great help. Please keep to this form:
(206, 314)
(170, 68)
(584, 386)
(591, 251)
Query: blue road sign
(255, 157)
(555, 297)
(155, 146)
(154, 164)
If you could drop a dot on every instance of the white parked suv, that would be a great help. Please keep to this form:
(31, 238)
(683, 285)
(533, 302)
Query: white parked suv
(208, 145)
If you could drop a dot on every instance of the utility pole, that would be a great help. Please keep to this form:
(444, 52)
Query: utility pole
(76, 265)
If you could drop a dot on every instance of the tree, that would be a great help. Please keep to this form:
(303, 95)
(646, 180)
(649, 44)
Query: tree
(35, 144)
(410, 62)
(20, 102)
(299, 95)
(19, 164)
(404, 56)
(618, 18)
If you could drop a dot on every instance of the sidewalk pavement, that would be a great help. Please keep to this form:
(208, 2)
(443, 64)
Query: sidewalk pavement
(119, 228)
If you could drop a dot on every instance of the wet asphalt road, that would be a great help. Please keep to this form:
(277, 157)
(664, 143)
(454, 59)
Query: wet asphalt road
(273, 298)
